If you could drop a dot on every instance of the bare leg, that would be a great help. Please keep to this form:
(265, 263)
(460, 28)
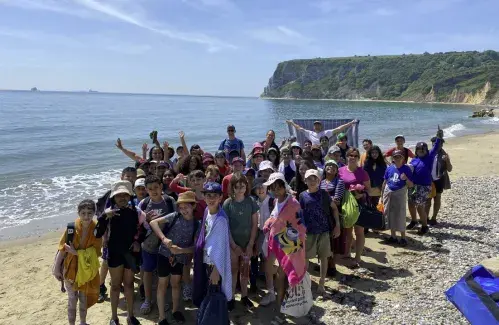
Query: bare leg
(402, 234)
(128, 284)
(412, 211)
(72, 302)
(349, 239)
(175, 282)
(323, 271)
(235, 270)
(281, 285)
(103, 272)
(428, 207)
(422, 215)
(269, 273)
(83, 307)
(436, 206)
(116, 280)
(360, 241)
(160, 296)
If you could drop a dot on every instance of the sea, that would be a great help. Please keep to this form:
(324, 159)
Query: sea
(57, 148)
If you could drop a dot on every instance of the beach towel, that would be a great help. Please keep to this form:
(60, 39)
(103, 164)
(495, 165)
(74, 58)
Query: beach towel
(287, 240)
(71, 263)
(395, 203)
(352, 132)
(216, 243)
(88, 265)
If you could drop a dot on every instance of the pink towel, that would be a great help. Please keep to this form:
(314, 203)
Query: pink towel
(287, 240)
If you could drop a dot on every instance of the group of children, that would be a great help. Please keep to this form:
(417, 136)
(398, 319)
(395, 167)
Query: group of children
(232, 219)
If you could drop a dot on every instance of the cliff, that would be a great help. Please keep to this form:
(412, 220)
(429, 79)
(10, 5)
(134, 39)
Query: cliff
(453, 77)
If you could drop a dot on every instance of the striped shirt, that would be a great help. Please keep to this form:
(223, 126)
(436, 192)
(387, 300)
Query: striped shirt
(335, 188)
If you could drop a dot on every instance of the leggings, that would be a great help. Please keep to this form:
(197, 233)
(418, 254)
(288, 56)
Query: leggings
(73, 297)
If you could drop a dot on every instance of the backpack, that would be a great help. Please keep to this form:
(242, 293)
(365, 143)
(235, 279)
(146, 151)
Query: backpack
(170, 225)
(349, 210)
(168, 199)
(151, 243)
(70, 231)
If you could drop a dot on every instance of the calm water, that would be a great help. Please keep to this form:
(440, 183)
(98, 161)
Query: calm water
(57, 148)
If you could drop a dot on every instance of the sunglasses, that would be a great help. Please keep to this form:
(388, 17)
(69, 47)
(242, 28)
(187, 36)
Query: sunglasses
(231, 130)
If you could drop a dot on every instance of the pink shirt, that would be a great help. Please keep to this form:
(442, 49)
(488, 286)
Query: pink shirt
(358, 177)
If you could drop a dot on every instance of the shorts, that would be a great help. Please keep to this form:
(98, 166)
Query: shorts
(149, 261)
(418, 194)
(439, 185)
(318, 245)
(129, 260)
(165, 268)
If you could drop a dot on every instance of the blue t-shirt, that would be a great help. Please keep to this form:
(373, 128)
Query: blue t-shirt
(228, 145)
(289, 173)
(392, 176)
(316, 219)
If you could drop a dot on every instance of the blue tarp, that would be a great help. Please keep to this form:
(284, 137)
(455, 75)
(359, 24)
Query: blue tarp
(352, 132)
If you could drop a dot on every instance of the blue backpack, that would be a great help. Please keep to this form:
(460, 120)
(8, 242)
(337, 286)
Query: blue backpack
(476, 295)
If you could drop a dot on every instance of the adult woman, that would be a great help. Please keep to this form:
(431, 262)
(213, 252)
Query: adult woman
(353, 174)
(189, 164)
(269, 141)
(335, 187)
(422, 166)
(298, 182)
(375, 166)
(296, 150)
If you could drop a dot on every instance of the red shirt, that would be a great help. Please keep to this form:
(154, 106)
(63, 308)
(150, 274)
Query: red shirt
(389, 153)
(200, 205)
(225, 186)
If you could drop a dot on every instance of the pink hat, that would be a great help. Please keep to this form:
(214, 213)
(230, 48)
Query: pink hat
(257, 145)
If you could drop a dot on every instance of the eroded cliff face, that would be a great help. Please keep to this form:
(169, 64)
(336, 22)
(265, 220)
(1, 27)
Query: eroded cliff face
(467, 77)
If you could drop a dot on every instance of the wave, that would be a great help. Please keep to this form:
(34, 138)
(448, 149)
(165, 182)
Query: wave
(450, 131)
(49, 198)
(491, 120)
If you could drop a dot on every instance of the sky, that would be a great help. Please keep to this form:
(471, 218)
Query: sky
(218, 47)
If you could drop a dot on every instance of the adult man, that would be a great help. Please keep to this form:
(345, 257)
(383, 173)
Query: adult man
(232, 143)
(318, 132)
(439, 174)
(367, 144)
(400, 141)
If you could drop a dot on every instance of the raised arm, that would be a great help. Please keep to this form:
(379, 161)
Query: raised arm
(145, 149)
(343, 127)
(132, 155)
(166, 152)
(293, 124)
(181, 135)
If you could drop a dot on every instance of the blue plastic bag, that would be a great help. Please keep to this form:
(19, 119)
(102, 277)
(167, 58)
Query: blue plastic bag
(476, 295)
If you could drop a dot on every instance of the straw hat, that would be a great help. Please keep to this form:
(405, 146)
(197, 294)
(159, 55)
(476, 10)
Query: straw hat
(187, 197)
(121, 187)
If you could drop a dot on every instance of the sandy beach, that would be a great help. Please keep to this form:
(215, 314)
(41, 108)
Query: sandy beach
(376, 294)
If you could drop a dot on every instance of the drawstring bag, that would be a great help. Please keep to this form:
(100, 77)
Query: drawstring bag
(298, 300)
(349, 210)
(213, 309)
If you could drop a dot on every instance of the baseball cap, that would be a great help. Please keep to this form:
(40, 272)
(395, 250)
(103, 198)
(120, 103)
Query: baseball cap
(318, 122)
(212, 187)
(397, 153)
(312, 172)
(237, 159)
(399, 136)
(207, 157)
(266, 164)
(334, 149)
(140, 182)
(331, 162)
(140, 173)
(295, 145)
(342, 136)
(231, 127)
(258, 182)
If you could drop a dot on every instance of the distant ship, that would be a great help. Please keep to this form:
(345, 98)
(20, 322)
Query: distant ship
(92, 91)
(34, 89)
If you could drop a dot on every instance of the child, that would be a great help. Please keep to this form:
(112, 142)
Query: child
(286, 234)
(287, 165)
(265, 204)
(318, 211)
(195, 180)
(126, 233)
(155, 206)
(243, 222)
(212, 255)
(177, 241)
(81, 263)
(168, 177)
(212, 174)
(140, 190)
(394, 196)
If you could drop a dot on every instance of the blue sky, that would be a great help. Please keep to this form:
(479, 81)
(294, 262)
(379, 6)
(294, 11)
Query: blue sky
(218, 47)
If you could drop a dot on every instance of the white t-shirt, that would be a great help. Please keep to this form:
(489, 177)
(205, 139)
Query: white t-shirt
(210, 218)
(264, 212)
(315, 137)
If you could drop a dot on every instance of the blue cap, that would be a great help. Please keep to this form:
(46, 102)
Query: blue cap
(212, 187)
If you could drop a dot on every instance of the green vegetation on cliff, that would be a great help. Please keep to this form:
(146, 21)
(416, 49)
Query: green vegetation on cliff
(459, 77)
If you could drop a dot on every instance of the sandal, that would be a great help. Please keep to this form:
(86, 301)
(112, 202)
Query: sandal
(145, 308)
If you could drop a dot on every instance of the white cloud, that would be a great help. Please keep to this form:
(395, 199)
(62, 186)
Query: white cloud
(126, 11)
(279, 35)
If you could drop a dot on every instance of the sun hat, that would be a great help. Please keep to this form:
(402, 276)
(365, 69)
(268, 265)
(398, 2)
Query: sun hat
(399, 136)
(258, 182)
(274, 177)
(257, 151)
(397, 153)
(237, 159)
(212, 187)
(312, 172)
(334, 149)
(140, 182)
(121, 187)
(140, 173)
(316, 147)
(257, 145)
(295, 145)
(331, 162)
(274, 150)
(219, 154)
(187, 197)
(266, 164)
(423, 145)
(342, 135)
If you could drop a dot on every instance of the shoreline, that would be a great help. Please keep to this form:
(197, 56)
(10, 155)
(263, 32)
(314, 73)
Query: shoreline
(377, 101)
(466, 152)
